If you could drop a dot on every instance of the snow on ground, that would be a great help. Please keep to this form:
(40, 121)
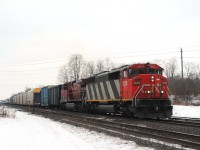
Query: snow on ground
(28, 132)
(186, 111)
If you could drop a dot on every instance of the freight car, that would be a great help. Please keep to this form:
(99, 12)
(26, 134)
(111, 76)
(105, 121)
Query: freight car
(138, 90)
(54, 96)
(29, 98)
(45, 96)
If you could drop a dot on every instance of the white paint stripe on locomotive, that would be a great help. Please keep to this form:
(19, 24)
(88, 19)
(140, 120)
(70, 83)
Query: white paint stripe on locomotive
(92, 91)
(110, 90)
(117, 85)
(103, 90)
(87, 91)
(97, 90)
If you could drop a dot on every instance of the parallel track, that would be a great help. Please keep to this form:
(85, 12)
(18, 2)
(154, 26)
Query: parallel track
(193, 123)
(129, 130)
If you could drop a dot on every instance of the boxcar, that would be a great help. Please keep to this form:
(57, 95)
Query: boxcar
(37, 96)
(33, 97)
(45, 96)
(54, 96)
(25, 98)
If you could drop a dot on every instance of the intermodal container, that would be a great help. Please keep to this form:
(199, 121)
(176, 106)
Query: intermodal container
(37, 96)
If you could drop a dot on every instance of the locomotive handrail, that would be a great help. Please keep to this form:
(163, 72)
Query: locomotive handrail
(137, 94)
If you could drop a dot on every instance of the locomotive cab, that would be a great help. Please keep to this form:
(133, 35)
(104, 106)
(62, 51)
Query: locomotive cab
(145, 91)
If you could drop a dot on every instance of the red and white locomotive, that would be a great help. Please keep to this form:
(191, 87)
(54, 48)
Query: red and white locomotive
(139, 90)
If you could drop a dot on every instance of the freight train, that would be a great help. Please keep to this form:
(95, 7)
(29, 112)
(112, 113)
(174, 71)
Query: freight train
(138, 90)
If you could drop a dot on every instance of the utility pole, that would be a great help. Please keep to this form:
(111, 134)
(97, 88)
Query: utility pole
(76, 69)
(182, 63)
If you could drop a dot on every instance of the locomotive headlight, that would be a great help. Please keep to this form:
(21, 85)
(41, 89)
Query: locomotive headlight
(152, 78)
(162, 92)
(148, 92)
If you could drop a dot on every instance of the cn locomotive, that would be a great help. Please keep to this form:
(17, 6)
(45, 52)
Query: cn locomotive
(135, 90)
(138, 90)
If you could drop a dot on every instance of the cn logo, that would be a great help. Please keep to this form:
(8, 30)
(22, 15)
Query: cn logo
(124, 83)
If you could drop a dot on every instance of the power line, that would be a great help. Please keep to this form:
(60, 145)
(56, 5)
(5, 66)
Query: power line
(143, 55)
(36, 60)
(34, 63)
(47, 61)
(11, 71)
(28, 84)
(147, 51)
(86, 58)
(191, 50)
(191, 57)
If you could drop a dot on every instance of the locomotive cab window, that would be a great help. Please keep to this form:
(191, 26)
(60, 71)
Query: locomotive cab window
(151, 70)
(159, 71)
(142, 71)
(132, 72)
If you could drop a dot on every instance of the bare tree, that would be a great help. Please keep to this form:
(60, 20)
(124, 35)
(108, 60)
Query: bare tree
(100, 66)
(75, 65)
(63, 74)
(77, 68)
(109, 65)
(91, 68)
(190, 69)
(171, 68)
(27, 89)
(88, 69)
(198, 71)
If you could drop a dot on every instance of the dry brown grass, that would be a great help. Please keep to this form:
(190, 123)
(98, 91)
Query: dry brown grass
(7, 112)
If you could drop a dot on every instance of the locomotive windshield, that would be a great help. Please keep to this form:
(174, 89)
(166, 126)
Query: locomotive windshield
(142, 71)
(149, 71)
(159, 71)
(132, 71)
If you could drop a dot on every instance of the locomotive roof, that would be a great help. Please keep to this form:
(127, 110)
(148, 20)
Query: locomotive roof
(120, 68)
(123, 68)
(134, 65)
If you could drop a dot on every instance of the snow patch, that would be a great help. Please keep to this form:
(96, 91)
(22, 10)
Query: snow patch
(186, 111)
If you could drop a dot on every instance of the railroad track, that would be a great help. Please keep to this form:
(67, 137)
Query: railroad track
(183, 121)
(195, 124)
(130, 131)
(192, 123)
(185, 118)
(124, 130)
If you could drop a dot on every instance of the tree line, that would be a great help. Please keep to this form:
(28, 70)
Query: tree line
(77, 68)
(183, 89)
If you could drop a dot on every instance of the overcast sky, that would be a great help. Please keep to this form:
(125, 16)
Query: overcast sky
(37, 37)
